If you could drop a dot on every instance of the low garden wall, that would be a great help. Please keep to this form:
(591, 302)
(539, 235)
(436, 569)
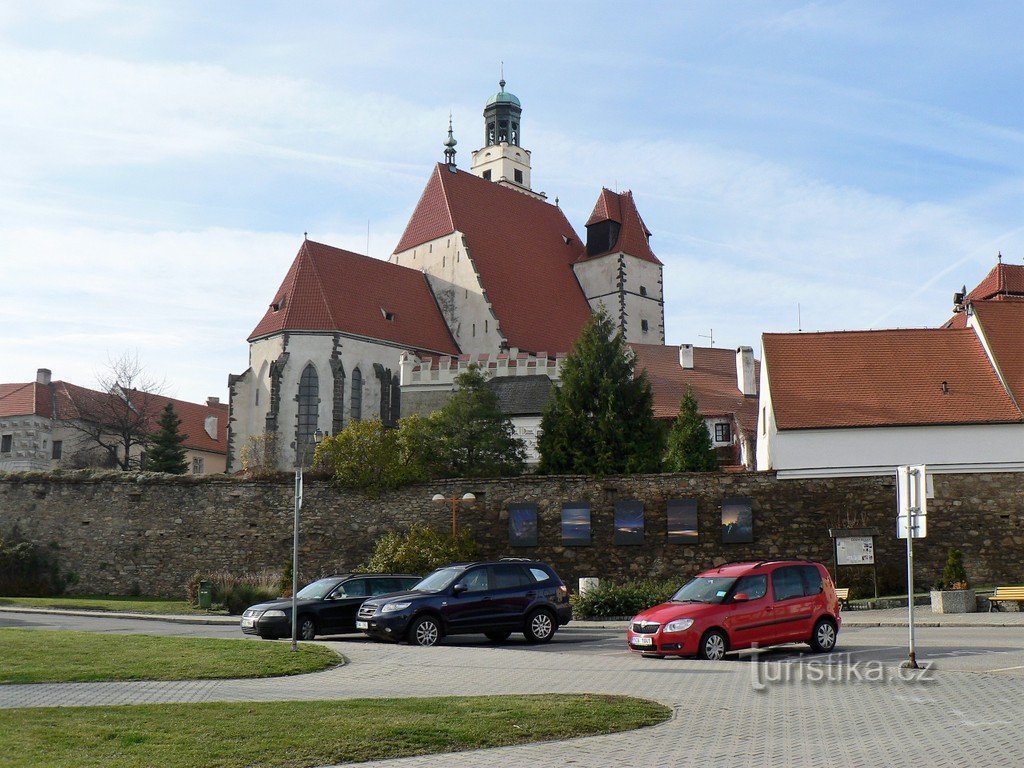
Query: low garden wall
(147, 534)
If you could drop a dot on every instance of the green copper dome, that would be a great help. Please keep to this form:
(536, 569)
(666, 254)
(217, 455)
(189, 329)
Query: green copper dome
(503, 97)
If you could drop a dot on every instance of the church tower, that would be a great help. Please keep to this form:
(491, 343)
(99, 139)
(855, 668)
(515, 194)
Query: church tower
(502, 158)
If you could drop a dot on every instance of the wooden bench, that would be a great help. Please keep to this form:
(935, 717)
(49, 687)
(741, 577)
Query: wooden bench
(843, 593)
(1006, 594)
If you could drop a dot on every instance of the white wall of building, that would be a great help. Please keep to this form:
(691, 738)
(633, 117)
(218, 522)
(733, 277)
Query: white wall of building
(599, 279)
(448, 264)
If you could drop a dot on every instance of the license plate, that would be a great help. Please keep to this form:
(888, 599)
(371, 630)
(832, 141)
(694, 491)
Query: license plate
(362, 625)
(641, 640)
(248, 622)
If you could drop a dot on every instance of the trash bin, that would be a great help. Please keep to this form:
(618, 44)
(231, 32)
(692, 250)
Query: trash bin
(205, 594)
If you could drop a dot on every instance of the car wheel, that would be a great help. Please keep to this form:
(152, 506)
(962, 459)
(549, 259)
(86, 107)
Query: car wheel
(307, 628)
(497, 637)
(540, 626)
(425, 631)
(823, 639)
(713, 645)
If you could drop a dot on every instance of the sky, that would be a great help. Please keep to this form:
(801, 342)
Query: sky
(802, 166)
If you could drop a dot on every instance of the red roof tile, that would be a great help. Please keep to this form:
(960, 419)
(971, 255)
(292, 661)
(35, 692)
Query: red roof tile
(712, 378)
(72, 401)
(883, 378)
(328, 289)
(518, 245)
(1002, 323)
(25, 400)
(1002, 282)
(633, 233)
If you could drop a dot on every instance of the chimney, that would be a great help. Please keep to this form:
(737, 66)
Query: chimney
(211, 401)
(746, 380)
(43, 376)
(686, 356)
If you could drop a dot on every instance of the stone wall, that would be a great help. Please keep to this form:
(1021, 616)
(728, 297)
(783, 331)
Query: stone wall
(149, 533)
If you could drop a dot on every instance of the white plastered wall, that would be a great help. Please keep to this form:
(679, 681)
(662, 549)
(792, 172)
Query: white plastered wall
(599, 279)
(448, 264)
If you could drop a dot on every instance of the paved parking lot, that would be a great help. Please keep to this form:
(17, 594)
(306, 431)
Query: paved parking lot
(848, 708)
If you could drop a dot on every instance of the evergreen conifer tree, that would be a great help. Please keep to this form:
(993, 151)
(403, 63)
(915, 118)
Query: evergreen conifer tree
(601, 420)
(689, 442)
(167, 451)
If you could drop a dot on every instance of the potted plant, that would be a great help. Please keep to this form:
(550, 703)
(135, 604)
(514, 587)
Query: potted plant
(953, 594)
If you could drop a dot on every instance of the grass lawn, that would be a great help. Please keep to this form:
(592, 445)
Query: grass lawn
(105, 603)
(307, 733)
(43, 656)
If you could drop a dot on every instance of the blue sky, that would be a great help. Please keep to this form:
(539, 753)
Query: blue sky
(159, 162)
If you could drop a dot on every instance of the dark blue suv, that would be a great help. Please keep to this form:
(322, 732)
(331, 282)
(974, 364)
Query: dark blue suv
(492, 598)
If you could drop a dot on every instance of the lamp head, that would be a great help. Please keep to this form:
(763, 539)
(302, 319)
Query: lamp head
(468, 499)
(439, 499)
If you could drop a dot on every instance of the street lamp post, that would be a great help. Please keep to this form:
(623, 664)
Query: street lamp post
(300, 459)
(466, 499)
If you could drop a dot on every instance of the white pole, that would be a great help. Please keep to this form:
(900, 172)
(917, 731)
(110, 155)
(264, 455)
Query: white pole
(295, 558)
(913, 505)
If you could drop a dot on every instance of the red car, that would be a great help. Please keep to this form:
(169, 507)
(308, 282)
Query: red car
(740, 605)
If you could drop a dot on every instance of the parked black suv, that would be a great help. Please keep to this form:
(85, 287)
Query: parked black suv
(326, 607)
(494, 598)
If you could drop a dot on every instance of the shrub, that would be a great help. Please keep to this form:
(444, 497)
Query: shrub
(611, 600)
(28, 570)
(421, 550)
(235, 591)
(954, 576)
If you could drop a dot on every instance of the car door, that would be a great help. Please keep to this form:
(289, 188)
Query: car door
(469, 603)
(339, 610)
(748, 620)
(513, 591)
(793, 609)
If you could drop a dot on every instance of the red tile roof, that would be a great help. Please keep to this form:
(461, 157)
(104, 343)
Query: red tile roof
(25, 400)
(1004, 281)
(523, 249)
(72, 401)
(633, 233)
(883, 378)
(712, 378)
(1002, 323)
(328, 289)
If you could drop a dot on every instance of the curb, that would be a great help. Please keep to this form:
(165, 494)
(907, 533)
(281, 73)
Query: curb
(175, 618)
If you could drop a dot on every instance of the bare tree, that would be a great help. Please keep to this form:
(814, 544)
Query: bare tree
(120, 418)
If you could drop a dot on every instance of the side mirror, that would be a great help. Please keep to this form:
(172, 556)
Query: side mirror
(740, 597)
(458, 589)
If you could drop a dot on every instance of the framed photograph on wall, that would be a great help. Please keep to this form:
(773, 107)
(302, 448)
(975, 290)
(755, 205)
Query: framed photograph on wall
(576, 523)
(682, 521)
(522, 525)
(737, 521)
(629, 522)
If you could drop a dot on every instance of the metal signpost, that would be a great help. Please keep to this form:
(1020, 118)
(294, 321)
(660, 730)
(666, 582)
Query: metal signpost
(911, 523)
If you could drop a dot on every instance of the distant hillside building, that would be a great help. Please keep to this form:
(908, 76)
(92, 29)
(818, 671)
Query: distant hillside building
(38, 425)
(486, 268)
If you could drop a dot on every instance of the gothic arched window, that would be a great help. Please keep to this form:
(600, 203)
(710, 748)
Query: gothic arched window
(309, 404)
(357, 395)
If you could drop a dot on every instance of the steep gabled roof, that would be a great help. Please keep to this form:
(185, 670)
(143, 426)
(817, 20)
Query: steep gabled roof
(1002, 323)
(883, 378)
(1004, 281)
(523, 249)
(633, 236)
(27, 399)
(328, 289)
(712, 378)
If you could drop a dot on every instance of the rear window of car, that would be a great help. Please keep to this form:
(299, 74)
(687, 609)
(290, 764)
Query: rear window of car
(812, 580)
(787, 583)
(539, 574)
(509, 576)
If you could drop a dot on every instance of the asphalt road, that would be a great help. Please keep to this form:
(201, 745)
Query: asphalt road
(962, 648)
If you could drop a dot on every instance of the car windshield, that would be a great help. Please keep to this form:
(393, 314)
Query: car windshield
(439, 579)
(318, 589)
(705, 589)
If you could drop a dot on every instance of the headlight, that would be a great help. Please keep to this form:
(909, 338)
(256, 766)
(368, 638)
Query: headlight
(679, 625)
(273, 614)
(392, 607)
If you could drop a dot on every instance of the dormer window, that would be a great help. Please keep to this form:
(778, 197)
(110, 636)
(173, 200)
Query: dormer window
(389, 316)
(278, 305)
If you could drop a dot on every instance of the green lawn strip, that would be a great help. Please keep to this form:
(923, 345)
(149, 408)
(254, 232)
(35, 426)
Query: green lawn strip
(44, 656)
(304, 733)
(105, 603)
